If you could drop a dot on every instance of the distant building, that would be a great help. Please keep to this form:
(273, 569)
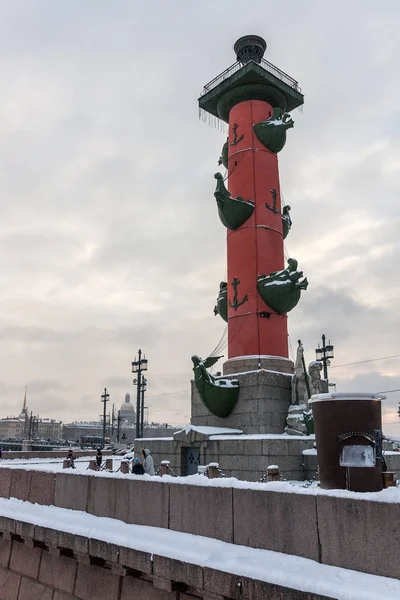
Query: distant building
(48, 429)
(127, 411)
(75, 431)
(20, 427)
(12, 427)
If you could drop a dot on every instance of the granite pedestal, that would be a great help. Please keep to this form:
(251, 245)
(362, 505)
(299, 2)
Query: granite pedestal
(262, 407)
(252, 437)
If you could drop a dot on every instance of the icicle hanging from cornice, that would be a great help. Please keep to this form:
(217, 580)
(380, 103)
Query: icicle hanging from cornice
(213, 121)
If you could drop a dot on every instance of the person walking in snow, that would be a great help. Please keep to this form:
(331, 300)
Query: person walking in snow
(71, 459)
(99, 458)
(148, 464)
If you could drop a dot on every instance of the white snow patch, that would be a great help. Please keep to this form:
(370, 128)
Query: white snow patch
(265, 436)
(210, 430)
(158, 439)
(49, 464)
(255, 371)
(345, 396)
(276, 282)
(257, 356)
(297, 407)
(222, 382)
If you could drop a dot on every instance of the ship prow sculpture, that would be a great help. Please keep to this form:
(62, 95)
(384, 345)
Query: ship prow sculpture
(218, 394)
(272, 132)
(281, 290)
(233, 212)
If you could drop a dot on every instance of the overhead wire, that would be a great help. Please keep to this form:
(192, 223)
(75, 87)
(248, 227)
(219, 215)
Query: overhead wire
(361, 362)
(168, 394)
(220, 343)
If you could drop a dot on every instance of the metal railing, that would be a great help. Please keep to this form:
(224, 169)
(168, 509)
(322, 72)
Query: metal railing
(267, 66)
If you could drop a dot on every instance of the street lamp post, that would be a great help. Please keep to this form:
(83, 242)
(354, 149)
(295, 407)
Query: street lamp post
(112, 422)
(324, 355)
(104, 398)
(118, 425)
(30, 426)
(144, 388)
(137, 367)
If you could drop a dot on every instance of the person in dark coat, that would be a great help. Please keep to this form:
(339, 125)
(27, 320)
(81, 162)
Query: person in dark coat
(137, 467)
(71, 459)
(99, 457)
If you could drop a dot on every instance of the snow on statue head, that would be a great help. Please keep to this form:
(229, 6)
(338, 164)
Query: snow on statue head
(314, 371)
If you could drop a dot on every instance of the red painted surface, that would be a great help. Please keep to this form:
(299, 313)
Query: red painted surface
(252, 249)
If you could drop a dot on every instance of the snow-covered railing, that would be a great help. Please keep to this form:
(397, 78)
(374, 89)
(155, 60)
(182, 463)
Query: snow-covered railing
(265, 64)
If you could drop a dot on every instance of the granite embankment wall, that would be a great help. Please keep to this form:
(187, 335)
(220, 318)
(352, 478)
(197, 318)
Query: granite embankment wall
(41, 563)
(348, 531)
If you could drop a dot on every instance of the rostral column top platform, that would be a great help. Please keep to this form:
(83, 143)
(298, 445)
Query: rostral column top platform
(250, 78)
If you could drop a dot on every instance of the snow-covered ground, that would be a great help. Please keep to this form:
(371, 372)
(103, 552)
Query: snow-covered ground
(274, 567)
(52, 464)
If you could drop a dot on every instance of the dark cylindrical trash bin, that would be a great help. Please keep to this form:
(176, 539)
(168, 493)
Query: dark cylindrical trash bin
(348, 435)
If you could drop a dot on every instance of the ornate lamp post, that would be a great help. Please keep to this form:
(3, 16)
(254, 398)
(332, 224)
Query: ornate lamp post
(118, 426)
(324, 355)
(137, 367)
(105, 398)
(144, 388)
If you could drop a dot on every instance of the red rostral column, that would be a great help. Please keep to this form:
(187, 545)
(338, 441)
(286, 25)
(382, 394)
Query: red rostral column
(253, 96)
(257, 246)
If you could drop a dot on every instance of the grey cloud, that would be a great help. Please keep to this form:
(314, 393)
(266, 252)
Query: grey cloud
(46, 385)
(110, 238)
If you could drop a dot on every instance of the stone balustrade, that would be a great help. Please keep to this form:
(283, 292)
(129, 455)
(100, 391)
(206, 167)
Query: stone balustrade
(348, 531)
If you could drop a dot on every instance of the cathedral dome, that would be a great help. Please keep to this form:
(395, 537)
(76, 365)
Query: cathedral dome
(127, 411)
(127, 406)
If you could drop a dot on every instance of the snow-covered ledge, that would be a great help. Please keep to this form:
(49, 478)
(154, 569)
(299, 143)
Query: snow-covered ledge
(198, 433)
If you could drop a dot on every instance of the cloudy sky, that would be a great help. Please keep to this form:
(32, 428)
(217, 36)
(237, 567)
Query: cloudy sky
(109, 235)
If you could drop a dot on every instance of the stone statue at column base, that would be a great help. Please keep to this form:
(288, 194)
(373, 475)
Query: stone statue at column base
(300, 379)
(317, 385)
(304, 385)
